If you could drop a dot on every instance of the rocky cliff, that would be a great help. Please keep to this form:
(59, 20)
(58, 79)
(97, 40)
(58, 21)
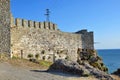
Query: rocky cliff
(88, 64)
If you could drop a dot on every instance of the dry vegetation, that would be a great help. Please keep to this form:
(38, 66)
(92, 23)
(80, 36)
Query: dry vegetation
(26, 63)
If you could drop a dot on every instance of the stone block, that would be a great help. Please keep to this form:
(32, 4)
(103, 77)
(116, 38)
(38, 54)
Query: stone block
(18, 22)
(41, 25)
(36, 24)
(31, 23)
(46, 25)
(12, 21)
(54, 26)
(50, 26)
(24, 23)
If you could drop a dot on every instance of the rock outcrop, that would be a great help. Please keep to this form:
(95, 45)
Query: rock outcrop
(88, 64)
(75, 68)
(93, 59)
(117, 72)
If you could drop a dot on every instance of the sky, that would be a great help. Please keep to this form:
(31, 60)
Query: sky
(100, 16)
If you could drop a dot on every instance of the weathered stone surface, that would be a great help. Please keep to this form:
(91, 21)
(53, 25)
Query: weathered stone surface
(83, 70)
(4, 26)
(31, 37)
(34, 41)
(68, 66)
(87, 39)
(93, 59)
(97, 73)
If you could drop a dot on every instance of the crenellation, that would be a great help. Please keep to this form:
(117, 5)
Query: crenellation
(37, 25)
(31, 23)
(50, 26)
(12, 22)
(91, 33)
(54, 26)
(34, 24)
(84, 31)
(46, 25)
(28, 23)
(18, 22)
(24, 23)
(41, 25)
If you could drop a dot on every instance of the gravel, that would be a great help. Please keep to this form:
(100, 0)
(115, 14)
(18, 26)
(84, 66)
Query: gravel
(10, 72)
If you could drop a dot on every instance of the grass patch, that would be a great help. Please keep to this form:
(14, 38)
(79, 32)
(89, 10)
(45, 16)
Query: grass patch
(45, 63)
(25, 63)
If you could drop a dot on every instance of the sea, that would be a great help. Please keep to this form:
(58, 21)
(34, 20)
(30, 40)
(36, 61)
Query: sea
(111, 58)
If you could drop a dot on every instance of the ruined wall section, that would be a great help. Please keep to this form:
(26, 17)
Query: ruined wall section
(4, 26)
(25, 40)
(87, 39)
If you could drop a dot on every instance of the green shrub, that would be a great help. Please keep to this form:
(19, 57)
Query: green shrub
(102, 64)
(37, 56)
(105, 69)
(43, 52)
(15, 57)
(45, 63)
(90, 56)
(30, 56)
(96, 65)
(90, 51)
(67, 58)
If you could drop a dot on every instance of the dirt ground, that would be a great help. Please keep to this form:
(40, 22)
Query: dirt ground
(25, 70)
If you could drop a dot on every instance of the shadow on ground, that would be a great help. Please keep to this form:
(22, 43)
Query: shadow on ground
(57, 73)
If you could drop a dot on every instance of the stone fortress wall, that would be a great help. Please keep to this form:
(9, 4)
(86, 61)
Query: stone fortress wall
(43, 38)
(4, 26)
(20, 37)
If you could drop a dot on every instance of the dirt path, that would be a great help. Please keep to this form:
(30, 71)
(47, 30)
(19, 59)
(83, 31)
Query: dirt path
(11, 72)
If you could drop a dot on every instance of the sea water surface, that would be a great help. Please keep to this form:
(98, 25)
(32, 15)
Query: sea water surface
(111, 58)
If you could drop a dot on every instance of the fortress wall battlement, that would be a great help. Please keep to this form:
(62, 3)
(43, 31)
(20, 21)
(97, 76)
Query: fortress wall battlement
(32, 24)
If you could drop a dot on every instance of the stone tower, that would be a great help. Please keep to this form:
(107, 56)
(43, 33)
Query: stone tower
(5, 26)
